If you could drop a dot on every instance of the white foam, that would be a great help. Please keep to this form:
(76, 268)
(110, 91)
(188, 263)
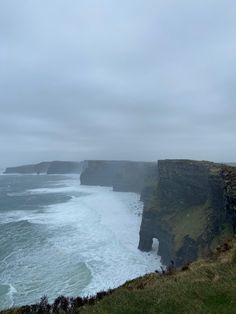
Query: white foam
(11, 293)
(108, 232)
(51, 190)
(99, 228)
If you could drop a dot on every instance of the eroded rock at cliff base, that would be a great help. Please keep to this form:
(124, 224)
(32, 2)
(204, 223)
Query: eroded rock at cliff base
(191, 209)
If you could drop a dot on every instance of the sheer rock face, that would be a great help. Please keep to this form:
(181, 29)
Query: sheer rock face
(189, 206)
(229, 176)
(192, 206)
(125, 176)
(64, 167)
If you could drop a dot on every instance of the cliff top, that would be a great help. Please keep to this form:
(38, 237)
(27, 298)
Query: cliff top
(50, 167)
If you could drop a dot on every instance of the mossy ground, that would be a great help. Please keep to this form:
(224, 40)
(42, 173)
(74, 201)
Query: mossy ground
(191, 221)
(207, 286)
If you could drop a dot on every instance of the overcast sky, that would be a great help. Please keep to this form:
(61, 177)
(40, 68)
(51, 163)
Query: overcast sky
(120, 79)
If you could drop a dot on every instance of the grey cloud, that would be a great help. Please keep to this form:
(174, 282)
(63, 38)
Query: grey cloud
(122, 80)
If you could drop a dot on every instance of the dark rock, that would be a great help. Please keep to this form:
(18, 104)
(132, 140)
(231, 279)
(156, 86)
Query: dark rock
(187, 252)
(191, 209)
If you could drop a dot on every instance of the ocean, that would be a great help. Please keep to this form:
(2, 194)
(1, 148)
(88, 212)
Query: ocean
(58, 237)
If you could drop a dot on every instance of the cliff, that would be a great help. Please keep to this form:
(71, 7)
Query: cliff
(28, 169)
(126, 176)
(189, 206)
(53, 167)
(64, 167)
(190, 209)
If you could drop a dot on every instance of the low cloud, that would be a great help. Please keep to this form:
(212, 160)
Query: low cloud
(138, 80)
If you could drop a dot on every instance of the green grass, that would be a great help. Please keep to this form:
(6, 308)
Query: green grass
(208, 286)
(190, 221)
(205, 288)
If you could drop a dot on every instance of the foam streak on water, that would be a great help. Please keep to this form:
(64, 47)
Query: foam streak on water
(64, 238)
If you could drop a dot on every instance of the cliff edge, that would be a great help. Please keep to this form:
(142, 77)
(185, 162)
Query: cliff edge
(190, 209)
(51, 167)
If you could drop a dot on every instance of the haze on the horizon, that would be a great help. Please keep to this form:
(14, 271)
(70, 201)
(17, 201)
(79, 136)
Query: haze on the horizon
(127, 79)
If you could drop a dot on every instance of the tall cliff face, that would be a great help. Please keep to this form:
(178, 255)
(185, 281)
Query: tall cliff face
(192, 206)
(126, 176)
(64, 167)
(188, 205)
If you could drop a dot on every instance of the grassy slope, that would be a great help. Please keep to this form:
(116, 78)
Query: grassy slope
(208, 286)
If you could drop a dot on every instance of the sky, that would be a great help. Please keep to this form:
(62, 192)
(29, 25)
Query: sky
(120, 79)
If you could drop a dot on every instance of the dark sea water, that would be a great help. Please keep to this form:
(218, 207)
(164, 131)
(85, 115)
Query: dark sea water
(58, 237)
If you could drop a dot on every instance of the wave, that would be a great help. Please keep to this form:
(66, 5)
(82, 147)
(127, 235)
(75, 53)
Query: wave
(7, 292)
(78, 247)
(17, 224)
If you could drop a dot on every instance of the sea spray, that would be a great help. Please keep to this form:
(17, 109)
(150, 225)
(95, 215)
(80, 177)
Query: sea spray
(58, 237)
